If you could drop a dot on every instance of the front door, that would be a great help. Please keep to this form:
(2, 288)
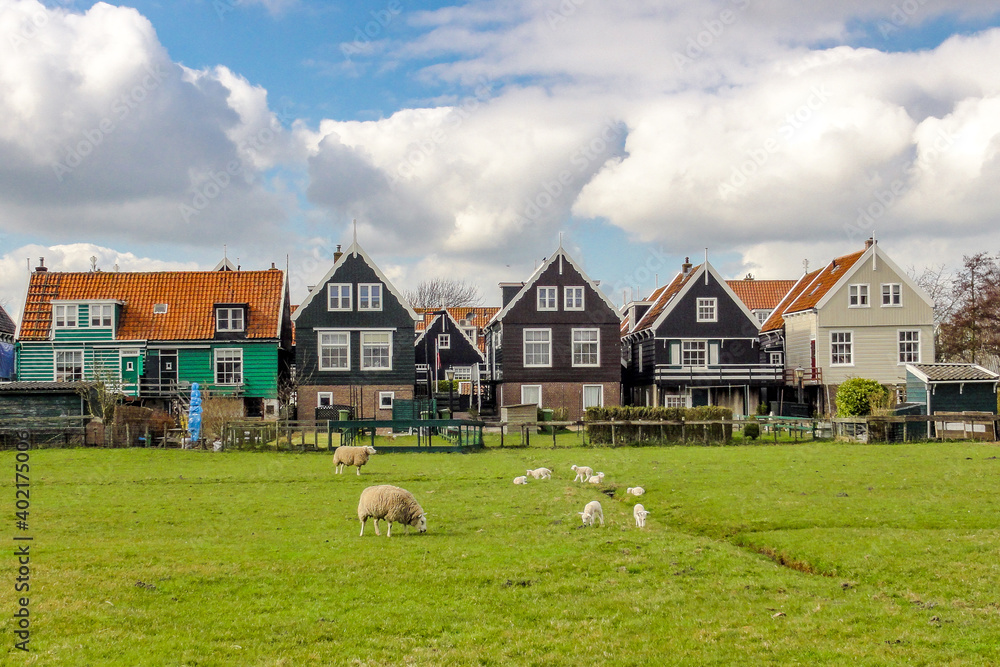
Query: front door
(168, 368)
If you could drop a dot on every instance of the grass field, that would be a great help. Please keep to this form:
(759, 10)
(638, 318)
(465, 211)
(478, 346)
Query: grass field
(806, 554)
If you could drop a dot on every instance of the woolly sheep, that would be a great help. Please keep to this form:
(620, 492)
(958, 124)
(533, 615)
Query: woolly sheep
(541, 473)
(583, 473)
(521, 480)
(592, 511)
(596, 479)
(352, 456)
(640, 514)
(635, 490)
(392, 504)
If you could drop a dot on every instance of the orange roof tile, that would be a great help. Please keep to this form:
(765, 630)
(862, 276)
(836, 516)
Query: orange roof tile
(189, 296)
(480, 317)
(662, 297)
(827, 278)
(761, 294)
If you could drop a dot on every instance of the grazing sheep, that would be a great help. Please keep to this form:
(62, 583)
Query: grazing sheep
(640, 514)
(591, 511)
(596, 479)
(352, 456)
(392, 504)
(541, 473)
(583, 473)
(635, 490)
(521, 480)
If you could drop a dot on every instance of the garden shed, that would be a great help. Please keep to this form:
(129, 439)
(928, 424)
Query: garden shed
(954, 391)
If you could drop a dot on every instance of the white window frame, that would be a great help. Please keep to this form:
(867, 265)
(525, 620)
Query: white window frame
(548, 298)
(689, 348)
(365, 345)
(538, 387)
(595, 343)
(444, 341)
(859, 296)
(382, 396)
(370, 296)
(229, 319)
(547, 343)
(71, 359)
(776, 358)
(320, 395)
(236, 358)
(894, 297)
(910, 354)
(341, 294)
(849, 342)
(707, 310)
(322, 345)
(573, 298)
(105, 313)
(675, 401)
(65, 316)
(762, 315)
(600, 393)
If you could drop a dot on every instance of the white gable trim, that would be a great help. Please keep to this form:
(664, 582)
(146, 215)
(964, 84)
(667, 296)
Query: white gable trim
(699, 273)
(780, 308)
(875, 251)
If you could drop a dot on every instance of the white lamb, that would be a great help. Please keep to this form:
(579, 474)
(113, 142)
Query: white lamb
(583, 473)
(591, 511)
(351, 456)
(596, 479)
(392, 504)
(541, 473)
(635, 490)
(640, 514)
(521, 480)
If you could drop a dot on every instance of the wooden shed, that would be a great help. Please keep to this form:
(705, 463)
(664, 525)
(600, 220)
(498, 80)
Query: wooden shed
(957, 393)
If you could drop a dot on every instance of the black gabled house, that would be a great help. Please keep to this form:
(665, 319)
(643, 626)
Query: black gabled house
(555, 341)
(354, 340)
(445, 344)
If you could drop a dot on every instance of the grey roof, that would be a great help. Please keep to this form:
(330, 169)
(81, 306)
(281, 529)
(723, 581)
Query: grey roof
(7, 325)
(46, 387)
(953, 373)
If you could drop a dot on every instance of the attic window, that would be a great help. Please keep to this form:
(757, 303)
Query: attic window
(159, 308)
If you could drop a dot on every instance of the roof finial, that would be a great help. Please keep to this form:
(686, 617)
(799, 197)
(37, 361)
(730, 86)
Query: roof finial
(355, 237)
(706, 266)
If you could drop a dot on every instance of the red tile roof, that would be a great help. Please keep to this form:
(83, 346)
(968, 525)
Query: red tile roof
(761, 294)
(189, 296)
(480, 317)
(811, 289)
(661, 298)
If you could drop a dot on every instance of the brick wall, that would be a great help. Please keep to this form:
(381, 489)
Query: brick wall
(567, 395)
(307, 397)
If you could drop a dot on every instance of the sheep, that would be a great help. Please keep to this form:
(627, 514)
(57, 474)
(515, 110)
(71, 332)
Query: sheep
(521, 480)
(583, 473)
(596, 479)
(541, 473)
(352, 456)
(640, 514)
(392, 504)
(591, 511)
(635, 490)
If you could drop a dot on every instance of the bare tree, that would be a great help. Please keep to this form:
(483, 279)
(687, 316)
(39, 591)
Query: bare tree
(103, 390)
(970, 333)
(444, 292)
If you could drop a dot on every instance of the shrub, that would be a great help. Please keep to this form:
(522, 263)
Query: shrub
(763, 409)
(751, 430)
(858, 396)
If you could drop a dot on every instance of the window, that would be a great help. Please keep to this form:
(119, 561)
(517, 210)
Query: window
(229, 366)
(777, 359)
(593, 396)
(892, 295)
(129, 365)
(370, 297)
(376, 350)
(335, 351)
(444, 341)
(674, 401)
(857, 296)
(101, 314)
(586, 344)
(64, 316)
(471, 332)
(707, 310)
(385, 399)
(324, 399)
(531, 393)
(841, 348)
(762, 315)
(463, 372)
(574, 298)
(547, 298)
(909, 347)
(159, 308)
(229, 319)
(338, 296)
(69, 365)
(537, 347)
(694, 353)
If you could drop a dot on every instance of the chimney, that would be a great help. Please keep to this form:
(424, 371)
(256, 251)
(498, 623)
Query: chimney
(870, 242)
(273, 267)
(41, 266)
(337, 255)
(686, 266)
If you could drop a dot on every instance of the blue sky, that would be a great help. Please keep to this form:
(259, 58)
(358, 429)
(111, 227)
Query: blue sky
(465, 137)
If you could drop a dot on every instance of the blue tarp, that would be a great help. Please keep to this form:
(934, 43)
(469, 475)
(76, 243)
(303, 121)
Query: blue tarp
(6, 361)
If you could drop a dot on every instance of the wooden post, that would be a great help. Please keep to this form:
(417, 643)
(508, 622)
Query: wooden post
(553, 437)
(684, 438)
(612, 432)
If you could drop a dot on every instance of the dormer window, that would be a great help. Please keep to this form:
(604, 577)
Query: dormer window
(370, 296)
(230, 319)
(101, 315)
(547, 298)
(64, 317)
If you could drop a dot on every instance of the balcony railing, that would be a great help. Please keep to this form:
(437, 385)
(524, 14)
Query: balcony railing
(810, 376)
(755, 373)
(171, 388)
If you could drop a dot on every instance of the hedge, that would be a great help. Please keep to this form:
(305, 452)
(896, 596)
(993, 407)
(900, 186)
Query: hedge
(624, 434)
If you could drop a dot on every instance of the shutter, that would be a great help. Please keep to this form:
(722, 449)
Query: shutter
(713, 354)
(675, 354)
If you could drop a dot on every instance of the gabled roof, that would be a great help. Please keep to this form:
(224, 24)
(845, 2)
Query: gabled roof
(530, 282)
(480, 317)
(7, 325)
(662, 297)
(454, 324)
(952, 373)
(776, 320)
(823, 283)
(352, 251)
(189, 295)
(761, 294)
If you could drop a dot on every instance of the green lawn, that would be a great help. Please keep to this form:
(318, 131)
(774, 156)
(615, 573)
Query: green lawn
(805, 554)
